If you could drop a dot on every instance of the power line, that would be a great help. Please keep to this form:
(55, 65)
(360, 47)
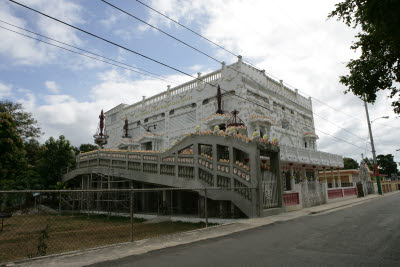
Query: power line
(161, 63)
(232, 53)
(101, 38)
(69, 50)
(344, 129)
(154, 27)
(173, 37)
(89, 52)
(198, 34)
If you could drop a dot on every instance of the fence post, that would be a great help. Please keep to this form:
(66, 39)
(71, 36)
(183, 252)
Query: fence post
(131, 210)
(205, 207)
(59, 204)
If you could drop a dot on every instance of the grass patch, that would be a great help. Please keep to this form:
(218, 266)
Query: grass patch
(22, 236)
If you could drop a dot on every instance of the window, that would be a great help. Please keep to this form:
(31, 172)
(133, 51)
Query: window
(171, 112)
(146, 120)
(162, 115)
(138, 123)
(205, 101)
(194, 105)
(305, 144)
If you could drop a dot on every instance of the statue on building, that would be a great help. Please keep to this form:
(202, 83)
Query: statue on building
(219, 99)
(100, 138)
(126, 128)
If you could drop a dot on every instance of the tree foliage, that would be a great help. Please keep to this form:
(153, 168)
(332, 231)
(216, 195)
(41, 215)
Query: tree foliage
(386, 164)
(350, 163)
(85, 148)
(26, 125)
(378, 67)
(14, 170)
(56, 157)
(33, 150)
(12, 156)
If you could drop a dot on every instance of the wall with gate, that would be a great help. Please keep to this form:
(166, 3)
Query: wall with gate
(313, 193)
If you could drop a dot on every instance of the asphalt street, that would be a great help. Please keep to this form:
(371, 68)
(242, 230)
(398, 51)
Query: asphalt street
(362, 235)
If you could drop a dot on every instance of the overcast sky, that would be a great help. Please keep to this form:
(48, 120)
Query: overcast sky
(292, 40)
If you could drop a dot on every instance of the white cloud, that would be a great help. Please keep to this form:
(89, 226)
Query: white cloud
(52, 87)
(5, 90)
(296, 43)
(110, 19)
(196, 67)
(77, 120)
(22, 50)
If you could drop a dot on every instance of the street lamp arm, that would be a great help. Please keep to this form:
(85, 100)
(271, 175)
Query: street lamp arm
(383, 117)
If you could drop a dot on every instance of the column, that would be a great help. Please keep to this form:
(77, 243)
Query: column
(316, 176)
(292, 181)
(304, 173)
(305, 182)
(333, 179)
(339, 181)
(325, 185)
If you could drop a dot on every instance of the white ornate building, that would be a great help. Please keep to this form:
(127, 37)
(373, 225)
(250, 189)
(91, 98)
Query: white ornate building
(281, 113)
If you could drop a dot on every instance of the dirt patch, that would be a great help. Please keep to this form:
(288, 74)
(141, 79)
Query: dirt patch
(23, 235)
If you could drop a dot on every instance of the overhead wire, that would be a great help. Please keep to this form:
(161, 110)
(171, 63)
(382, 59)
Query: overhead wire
(232, 53)
(158, 29)
(161, 63)
(173, 37)
(198, 34)
(79, 53)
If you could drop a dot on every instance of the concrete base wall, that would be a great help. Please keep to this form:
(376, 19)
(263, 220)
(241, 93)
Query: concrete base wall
(341, 199)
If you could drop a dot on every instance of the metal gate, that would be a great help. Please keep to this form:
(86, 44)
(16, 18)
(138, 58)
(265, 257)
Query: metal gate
(269, 190)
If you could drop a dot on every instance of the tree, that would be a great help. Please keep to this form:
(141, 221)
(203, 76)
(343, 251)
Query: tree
(85, 148)
(26, 125)
(12, 156)
(56, 157)
(370, 163)
(33, 150)
(387, 165)
(14, 171)
(350, 163)
(378, 67)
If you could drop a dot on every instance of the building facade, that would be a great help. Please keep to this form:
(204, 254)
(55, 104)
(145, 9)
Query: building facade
(265, 106)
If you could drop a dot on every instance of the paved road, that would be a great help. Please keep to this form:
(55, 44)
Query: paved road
(362, 235)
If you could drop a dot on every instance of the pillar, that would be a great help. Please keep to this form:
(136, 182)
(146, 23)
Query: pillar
(304, 173)
(292, 181)
(325, 185)
(304, 184)
(316, 176)
(333, 179)
(339, 181)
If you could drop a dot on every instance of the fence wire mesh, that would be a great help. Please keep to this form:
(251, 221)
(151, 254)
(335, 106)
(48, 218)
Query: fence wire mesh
(48, 222)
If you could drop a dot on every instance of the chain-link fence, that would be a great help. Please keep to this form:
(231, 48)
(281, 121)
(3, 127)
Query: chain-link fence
(39, 223)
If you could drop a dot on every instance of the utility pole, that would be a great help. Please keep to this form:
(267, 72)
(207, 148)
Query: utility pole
(378, 181)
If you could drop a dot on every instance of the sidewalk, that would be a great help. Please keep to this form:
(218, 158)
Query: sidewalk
(143, 246)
